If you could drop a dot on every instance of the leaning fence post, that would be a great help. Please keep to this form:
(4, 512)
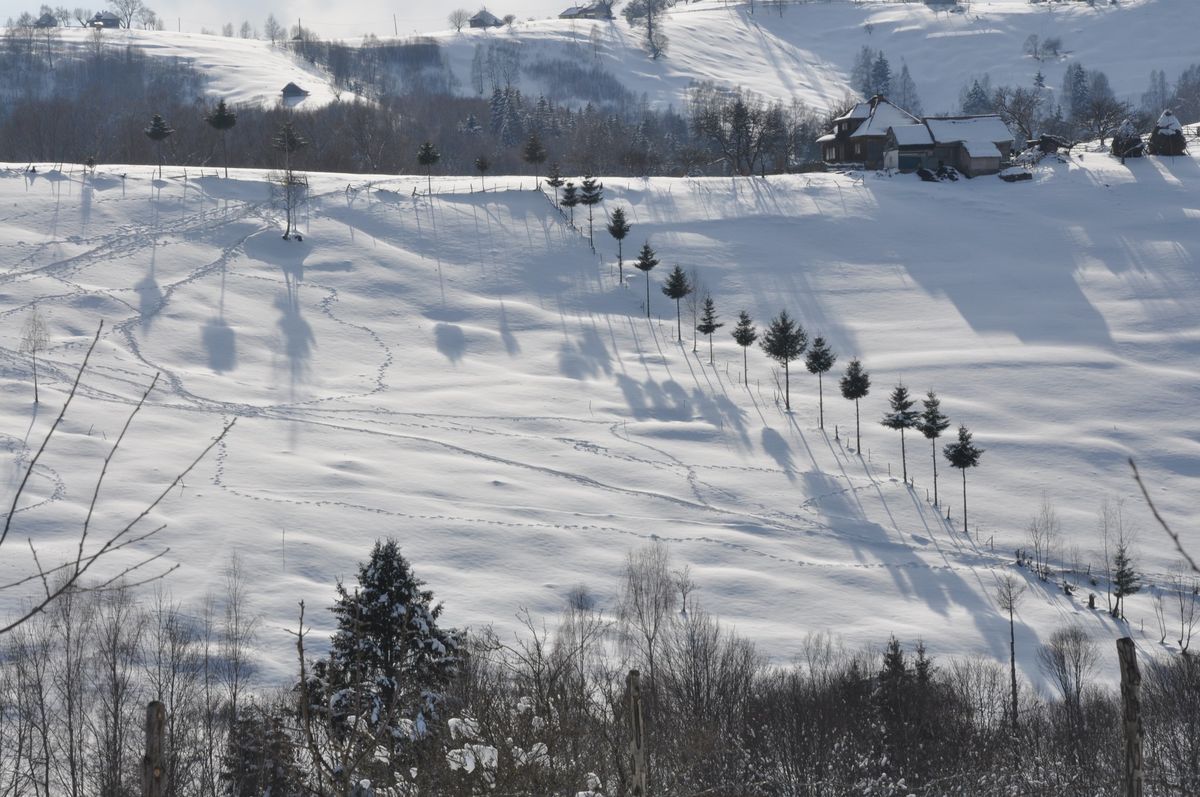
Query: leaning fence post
(1131, 712)
(154, 775)
(637, 739)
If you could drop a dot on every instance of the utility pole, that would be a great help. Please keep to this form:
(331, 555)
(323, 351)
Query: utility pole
(637, 738)
(154, 775)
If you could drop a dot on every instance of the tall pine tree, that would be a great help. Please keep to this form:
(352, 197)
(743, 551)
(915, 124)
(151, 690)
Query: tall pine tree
(677, 287)
(963, 454)
(591, 194)
(618, 228)
(901, 416)
(819, 360)
(932, 423)
(709, 324)
(784, 341)
(645, 263)
(744, 334)
(856, 384)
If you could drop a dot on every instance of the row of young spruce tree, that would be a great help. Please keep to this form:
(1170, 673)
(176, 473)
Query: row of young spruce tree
(398, 704)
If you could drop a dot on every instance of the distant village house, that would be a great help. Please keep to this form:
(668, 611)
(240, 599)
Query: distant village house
(881, 135)
(105, 19)
(485, 19)
(46, 20)
(598, 10)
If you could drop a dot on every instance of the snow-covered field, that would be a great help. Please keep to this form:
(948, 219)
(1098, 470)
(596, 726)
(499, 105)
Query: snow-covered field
(464, 374)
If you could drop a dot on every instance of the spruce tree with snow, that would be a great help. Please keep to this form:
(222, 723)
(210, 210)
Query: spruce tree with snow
(428, 156)
(932, 423)
(389, 662)
(482, 164)
(618, 228)
(1125, 580)
(534, 153)
(222, 120)
(709, 324)
(784, 341)
(645, 263)
(677, 287)
(901, 416)
(591, 193)
(881, 75)
(963, 454)
(570, 198)
(744, 334)
(555, 181)
(856, 385)
(158, 132)
(819, 361)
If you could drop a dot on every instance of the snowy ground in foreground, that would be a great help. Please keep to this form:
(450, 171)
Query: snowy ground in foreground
(465, 375)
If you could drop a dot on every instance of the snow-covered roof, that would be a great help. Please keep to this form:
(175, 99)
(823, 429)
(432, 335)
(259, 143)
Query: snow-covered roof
(989, 129)
(827, 137)
(912, 135)
(1168, 124)
(884, 115)
(860, 111)
(981, 149)
(487, 18)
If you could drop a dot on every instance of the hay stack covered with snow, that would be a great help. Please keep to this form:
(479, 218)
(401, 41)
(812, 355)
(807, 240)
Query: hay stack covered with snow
(1167, 138)
(1127, 142)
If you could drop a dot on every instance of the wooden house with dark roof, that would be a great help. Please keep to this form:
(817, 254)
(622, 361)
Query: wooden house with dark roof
(485, 19)
(859, 136)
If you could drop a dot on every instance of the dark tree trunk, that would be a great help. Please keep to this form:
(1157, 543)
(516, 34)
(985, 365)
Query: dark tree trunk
(857, 430)
(933, 441)
(1012, 661)
(787, 388)
(821, 399)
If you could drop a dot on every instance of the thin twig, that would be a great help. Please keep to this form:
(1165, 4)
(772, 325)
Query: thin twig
(1154, 510)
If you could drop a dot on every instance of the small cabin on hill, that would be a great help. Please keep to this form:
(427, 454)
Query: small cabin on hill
(1167, 137)
(105, 19)
(597, 10)
(46, 20)
(293, 92)
(485, 19)
(860, 134)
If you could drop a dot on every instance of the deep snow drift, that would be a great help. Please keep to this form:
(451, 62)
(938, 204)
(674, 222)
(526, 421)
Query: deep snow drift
(464, 374)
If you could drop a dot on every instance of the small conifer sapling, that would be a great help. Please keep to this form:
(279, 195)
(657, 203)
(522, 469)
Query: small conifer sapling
(901, 416)
(222, 120)
(158, 132)
(932, 423)
(428, 156)
(784, 341)
(677, 287)
(744, 334)
(534, 153)
(709, 324)
(618, 228)
(555, 181)
(570, 198)
(819, 361)
(856, 385)
(645, 263)
(963, 454)
(482, 164)
(591, 193)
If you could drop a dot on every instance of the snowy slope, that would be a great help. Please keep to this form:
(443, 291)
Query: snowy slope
(465, 375)
(808, 52)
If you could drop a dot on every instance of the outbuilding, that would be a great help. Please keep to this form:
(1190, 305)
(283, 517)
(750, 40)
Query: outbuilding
(485, 19)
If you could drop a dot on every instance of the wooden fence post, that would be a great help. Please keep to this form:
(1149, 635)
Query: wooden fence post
(1131, 712)
(637, 739)
(154, 775)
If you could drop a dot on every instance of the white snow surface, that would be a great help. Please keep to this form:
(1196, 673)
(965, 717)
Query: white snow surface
(463, 374)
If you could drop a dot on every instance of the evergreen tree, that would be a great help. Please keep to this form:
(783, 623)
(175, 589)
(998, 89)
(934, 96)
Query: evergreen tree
(709, 324)
(555, 181)
(881, 75)
(901, 416)
(819, 360)
(259, 757)
(1125, 580)
(1039, 80)
(645, 262)
(534, 153)
(784, 341)
(570, 198)
(963, 454)
(482, 164)
(427, 156)
(389, 662)
(744, 334)
(977, 100)
(856, 384)
(158, 132)
(591, 193)
(932, 423)
(861, 74)
(906, 92)
(677, 287)
(222, 120)
(618, 228)
(498, 109)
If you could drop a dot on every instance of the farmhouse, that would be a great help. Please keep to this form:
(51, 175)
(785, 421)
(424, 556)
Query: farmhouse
(46, 20)
(292, 91)
(485, 19)
(860, 134)
(598, 10)
(105, 19)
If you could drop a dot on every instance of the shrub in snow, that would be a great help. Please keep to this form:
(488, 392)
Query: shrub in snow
(1167, 137)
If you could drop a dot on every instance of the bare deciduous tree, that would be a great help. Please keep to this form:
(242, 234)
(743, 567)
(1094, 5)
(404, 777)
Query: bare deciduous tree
(1008, 594)
(1068, 659)
(458, 18)
(34, 339)
(1043, 533)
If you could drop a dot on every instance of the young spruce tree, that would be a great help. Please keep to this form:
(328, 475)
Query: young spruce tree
(963, 454)
(534, 153)
(932, 423)
(222, 120)
(1125, 580)
(645, 263)
(901, 416)
(482, 164)
(555, 181)
(856, 384)
(428, 156)
(677, 287)
(618, 228)
(591, 193)
(819, 361)
(709, 324)
(784, 341)
(570, 198)
(744, 334)
(158, 132)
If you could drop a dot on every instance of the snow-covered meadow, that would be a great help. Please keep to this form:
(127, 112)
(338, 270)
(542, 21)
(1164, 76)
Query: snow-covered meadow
(464, 374)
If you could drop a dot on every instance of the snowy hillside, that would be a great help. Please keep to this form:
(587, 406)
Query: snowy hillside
(464, 374)
(808, 51)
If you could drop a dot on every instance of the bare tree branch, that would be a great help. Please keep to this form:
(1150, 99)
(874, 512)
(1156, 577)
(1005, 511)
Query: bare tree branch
(1154, 510)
